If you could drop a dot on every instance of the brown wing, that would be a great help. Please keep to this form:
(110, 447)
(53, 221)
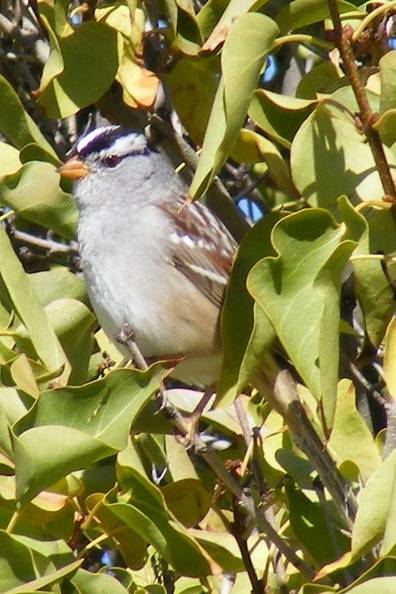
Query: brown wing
(203, 248)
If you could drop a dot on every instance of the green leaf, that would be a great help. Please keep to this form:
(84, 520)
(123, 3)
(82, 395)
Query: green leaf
(58, 283)
(301, 13)
(248, 42)
(12, 408)
(93, 420)
(72, 322)
(299, 292)
(388, 81)
(310, 525)
(318, 80)
(351, 438)
(375, 503)
(372, 287)
(9, 159)
(252, 147)
(217, 18)
(192, 84)
(390, 358)
(34, 193)
(29, 310)
(81, 83)
(15, 123)
(164, 534)
(386, 126)
(210, 14)
(279, 116)
(18, 567)
(54, 65)
(86, 582)
(150, 517)
(34, 152)
(188, 500)
(131, 545)
(246, 332)
(385, 585)
(329, 146)
(179, 462)
(23, 376)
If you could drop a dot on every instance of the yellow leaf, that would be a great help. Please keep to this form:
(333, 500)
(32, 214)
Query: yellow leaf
(390, 358)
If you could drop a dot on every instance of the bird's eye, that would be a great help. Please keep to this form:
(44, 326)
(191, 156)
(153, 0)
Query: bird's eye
(111, 160)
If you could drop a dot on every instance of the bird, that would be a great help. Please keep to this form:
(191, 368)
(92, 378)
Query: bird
(153, 262)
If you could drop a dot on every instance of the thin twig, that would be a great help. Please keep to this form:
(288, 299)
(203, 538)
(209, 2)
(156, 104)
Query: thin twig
(243, 420)
(238, 529)
(54, 247)
(344, 45)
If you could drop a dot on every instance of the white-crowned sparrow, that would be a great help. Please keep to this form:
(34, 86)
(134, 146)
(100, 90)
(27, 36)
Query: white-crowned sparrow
(150, 260)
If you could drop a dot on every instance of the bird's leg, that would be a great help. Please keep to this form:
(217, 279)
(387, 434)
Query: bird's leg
(126, 336)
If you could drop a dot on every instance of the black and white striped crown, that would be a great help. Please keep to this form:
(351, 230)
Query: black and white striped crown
(116, 140)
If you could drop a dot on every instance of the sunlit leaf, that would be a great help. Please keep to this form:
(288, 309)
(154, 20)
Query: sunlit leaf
(374, 507)
(350, 437)
(70, 428)
(80, 83)
(245, 49)
(299, 292)
(29, 310)
(34, 193)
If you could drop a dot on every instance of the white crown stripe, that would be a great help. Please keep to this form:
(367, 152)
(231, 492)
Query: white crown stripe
(126, 144)
(86, 140)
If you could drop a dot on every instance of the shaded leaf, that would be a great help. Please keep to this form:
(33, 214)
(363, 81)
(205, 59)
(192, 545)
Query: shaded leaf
(131, 545)
(310, 525)
(15, 123)
(149, 516)
(246, 332)
(279, 116)
(372, 287)
(188, 500)
(252, 147)
(192, 85)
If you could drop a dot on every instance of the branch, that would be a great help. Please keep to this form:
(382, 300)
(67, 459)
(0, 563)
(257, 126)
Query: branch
(280, 392)
(343, 37)
(54, 247)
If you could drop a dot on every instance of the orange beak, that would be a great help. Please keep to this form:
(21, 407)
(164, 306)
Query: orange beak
(73, 169)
